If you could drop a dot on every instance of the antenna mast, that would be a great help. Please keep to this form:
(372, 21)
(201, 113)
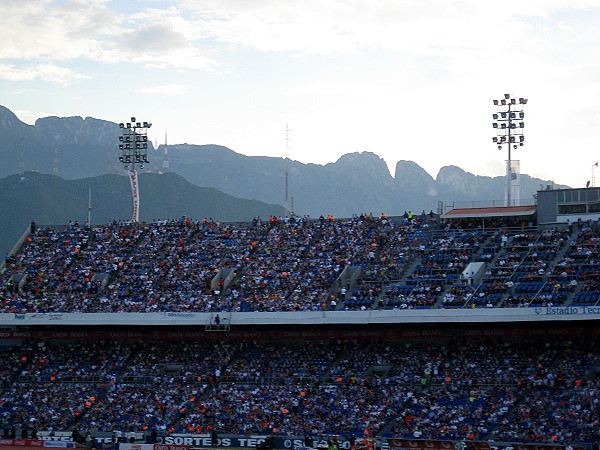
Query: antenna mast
(156, 156)
(287, 166)
(89, 219)
(165, 163)
(55, 162)
(22, 161)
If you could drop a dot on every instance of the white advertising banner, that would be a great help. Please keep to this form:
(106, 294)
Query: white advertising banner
(135, 195)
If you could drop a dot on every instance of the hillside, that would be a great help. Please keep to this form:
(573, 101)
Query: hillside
(51, 200)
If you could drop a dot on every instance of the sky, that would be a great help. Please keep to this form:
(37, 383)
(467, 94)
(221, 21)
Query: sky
(405, 79)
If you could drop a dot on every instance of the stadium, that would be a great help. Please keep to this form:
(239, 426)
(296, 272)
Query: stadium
(471, 329)
(322, 308)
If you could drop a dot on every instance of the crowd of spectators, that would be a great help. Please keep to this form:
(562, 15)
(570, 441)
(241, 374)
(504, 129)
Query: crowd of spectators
(296, 265)
(516, 390)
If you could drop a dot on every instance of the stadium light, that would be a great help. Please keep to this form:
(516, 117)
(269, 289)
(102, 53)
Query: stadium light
(133, 145)
(508, 124)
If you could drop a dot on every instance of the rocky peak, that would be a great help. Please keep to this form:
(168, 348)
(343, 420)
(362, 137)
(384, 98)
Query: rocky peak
(366, 163)
(411, 177)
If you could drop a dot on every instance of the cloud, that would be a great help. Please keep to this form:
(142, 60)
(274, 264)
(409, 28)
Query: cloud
(564, 26)
(166, 89)
(44, 72)
(336, 89)
(39, 30)
(181, 59)
(43, 31)
(414, 27)
(20, 91)
(161, 47)
(180, 34)
(152, 39)
(335, 26)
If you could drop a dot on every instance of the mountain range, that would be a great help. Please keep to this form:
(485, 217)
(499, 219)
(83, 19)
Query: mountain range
(355, 183)
(82, 153)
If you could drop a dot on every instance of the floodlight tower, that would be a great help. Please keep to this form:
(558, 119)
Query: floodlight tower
(509, 124)
(133, 143)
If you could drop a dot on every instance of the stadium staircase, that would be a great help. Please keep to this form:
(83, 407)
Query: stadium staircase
(573, 294)
(348, 279)
(223, 280)
(549, 270)
(16, 249)
(415, 261)
(475, 257)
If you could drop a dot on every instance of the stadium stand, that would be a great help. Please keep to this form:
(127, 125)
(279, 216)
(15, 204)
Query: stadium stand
(510, 382)
(537, 390)
(297, 266)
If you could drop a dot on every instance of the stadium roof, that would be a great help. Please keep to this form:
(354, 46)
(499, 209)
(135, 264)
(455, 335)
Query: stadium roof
(498, 211)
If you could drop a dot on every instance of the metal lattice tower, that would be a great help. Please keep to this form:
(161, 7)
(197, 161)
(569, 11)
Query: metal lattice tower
(509, 124)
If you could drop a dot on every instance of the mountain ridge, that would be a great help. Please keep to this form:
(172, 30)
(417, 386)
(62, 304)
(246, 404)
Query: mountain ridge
(357, 182)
